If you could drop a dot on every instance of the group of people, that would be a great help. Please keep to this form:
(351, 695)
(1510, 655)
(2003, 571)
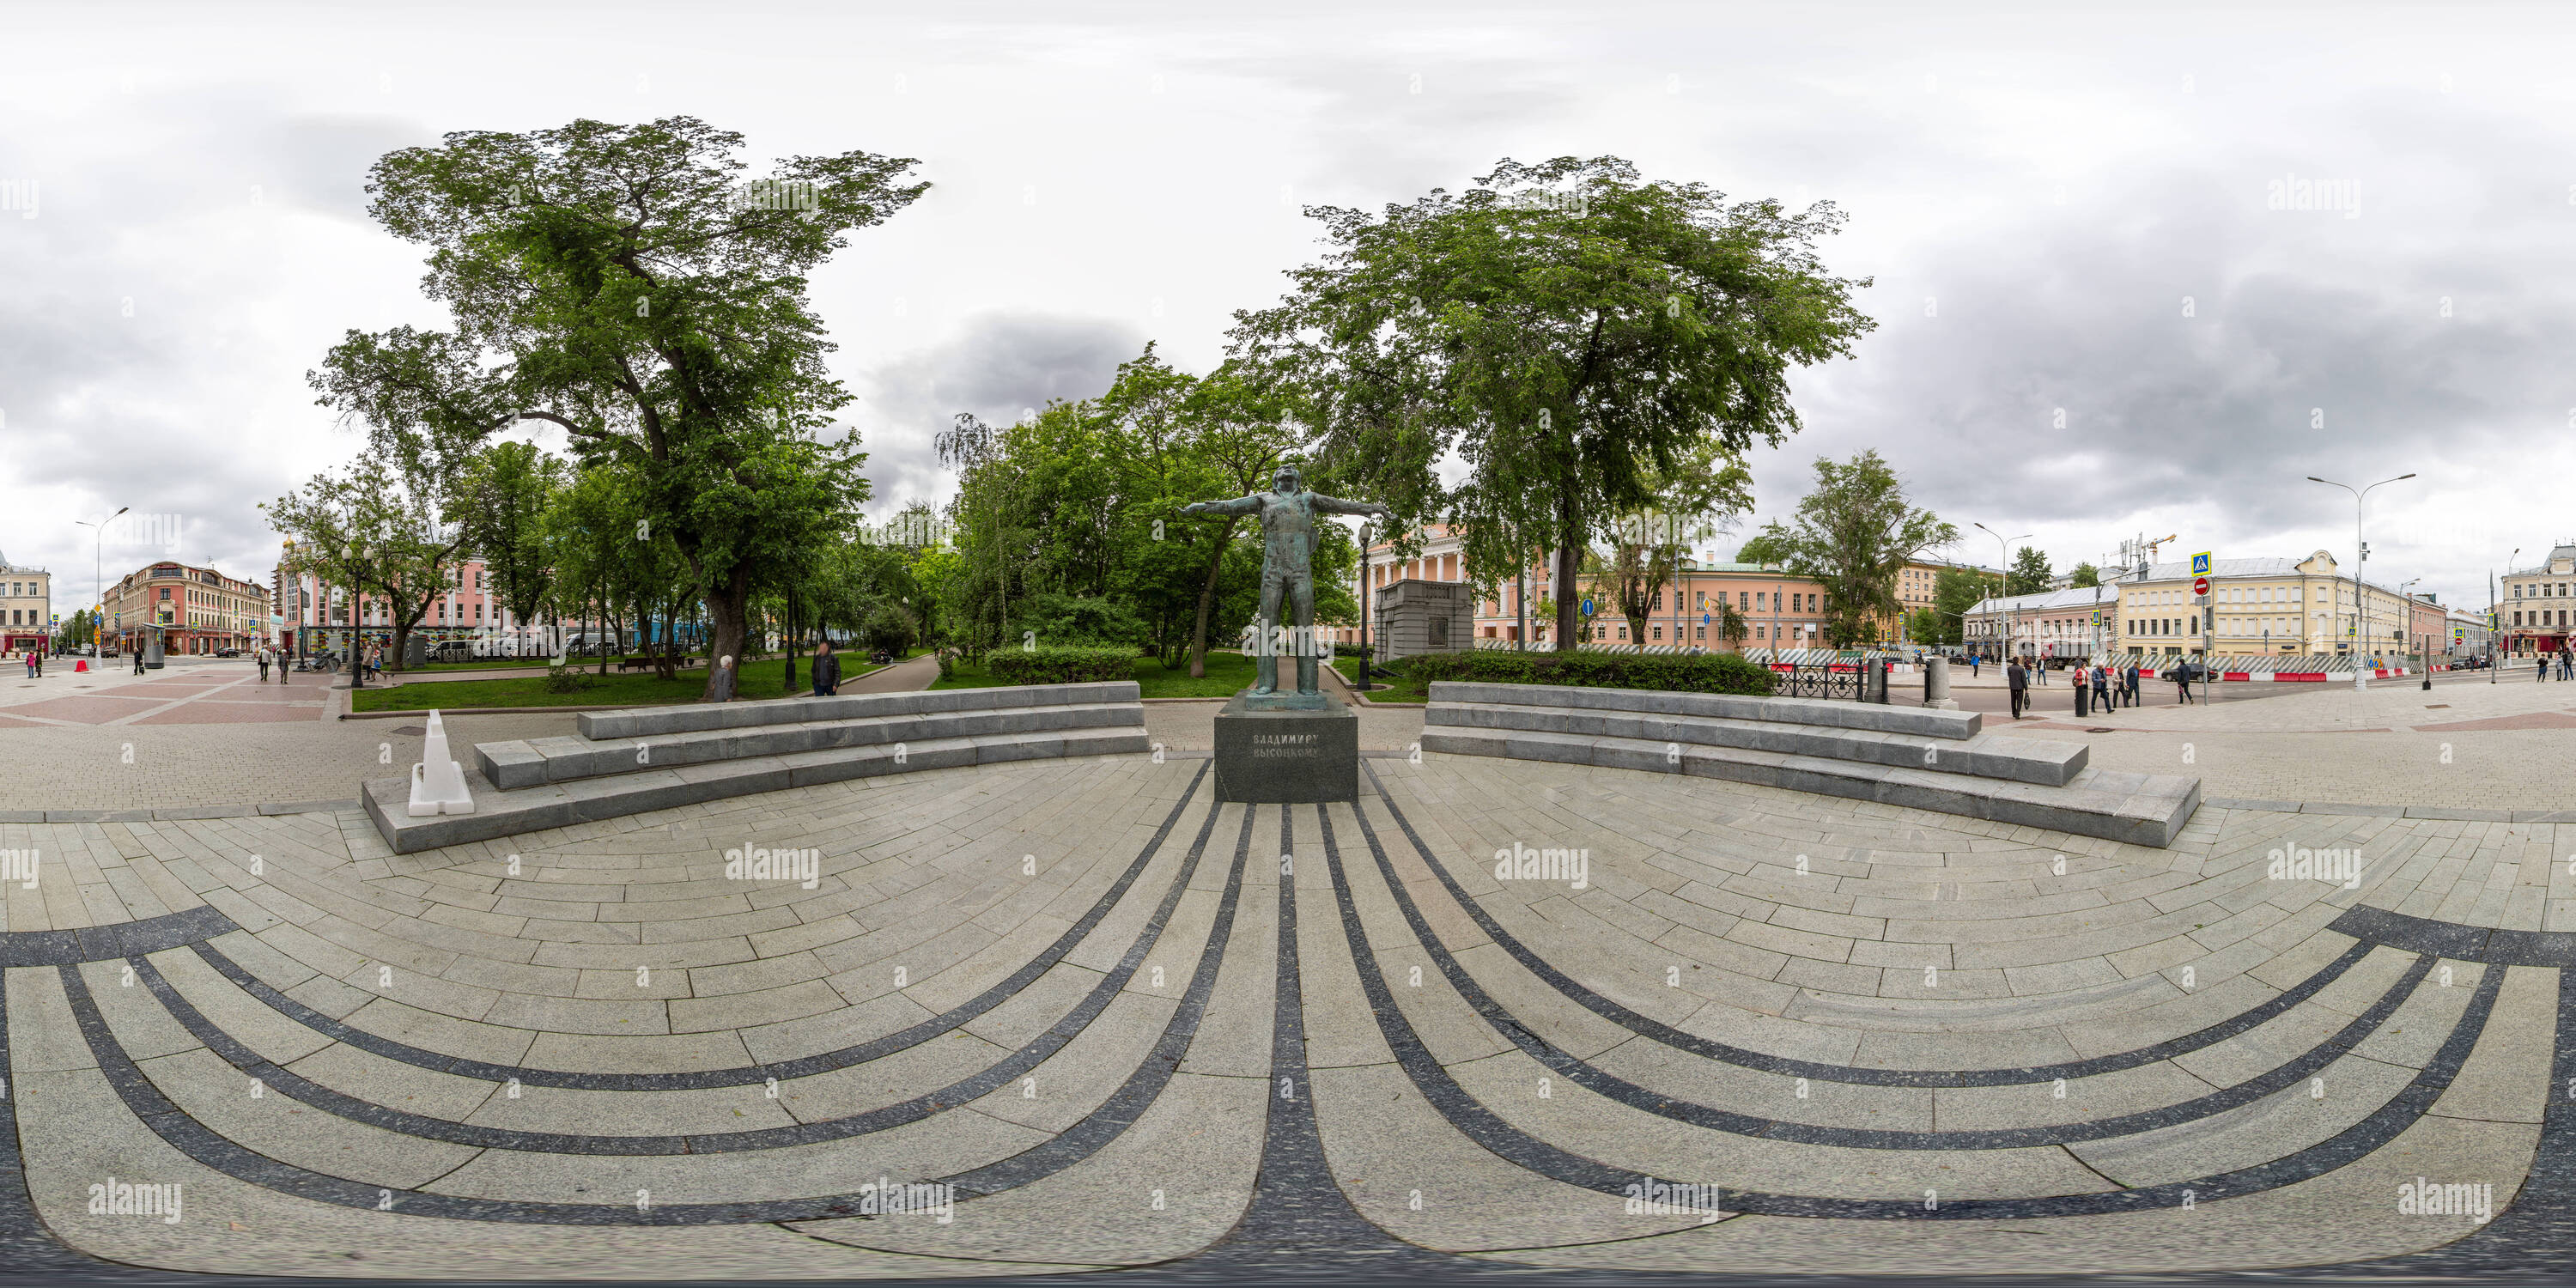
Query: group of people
(2097, 688)
(35, 660)
(2563, 659)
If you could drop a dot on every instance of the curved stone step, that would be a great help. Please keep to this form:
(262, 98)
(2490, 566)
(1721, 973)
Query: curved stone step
(2139, 809)
(498, 813)
(2028, 760)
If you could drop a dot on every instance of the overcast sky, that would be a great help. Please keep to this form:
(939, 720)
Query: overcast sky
(2065, 214)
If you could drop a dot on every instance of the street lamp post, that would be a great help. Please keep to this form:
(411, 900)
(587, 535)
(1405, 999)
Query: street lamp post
(2361, 555)
(2495, 618)
(97, 569)
(2004, 545)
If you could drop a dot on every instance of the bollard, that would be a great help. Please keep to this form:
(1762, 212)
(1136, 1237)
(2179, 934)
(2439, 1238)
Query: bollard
(1936, 684)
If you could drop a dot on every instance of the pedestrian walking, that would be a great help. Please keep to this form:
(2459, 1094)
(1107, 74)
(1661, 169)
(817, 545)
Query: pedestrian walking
(138, 659)
(2039, 670)
(720, 685)
(827, 670)
(260, 655)
(36, 658)
(2129, 683)
(28, 659)
(2102, 688)
(1972, 666)
(2018, 681)
(2182, 680)
(2544, 668)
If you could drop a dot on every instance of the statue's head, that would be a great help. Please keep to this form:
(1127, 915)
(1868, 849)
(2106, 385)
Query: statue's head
(1287, 479)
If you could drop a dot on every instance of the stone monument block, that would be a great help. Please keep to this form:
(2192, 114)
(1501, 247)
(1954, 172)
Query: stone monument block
(1287, 757)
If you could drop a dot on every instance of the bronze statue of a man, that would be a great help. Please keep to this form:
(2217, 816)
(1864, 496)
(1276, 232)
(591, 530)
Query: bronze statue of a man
(1287, 512)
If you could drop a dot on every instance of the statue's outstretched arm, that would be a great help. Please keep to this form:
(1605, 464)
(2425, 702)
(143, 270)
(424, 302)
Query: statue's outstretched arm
(1239, 505)
(1323, 504)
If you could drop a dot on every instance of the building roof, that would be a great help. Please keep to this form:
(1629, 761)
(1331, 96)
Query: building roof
(2071, 597)
(2557, 553)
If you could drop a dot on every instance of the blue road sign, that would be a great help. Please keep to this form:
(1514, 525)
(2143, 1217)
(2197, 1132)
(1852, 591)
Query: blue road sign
(1587, 608)
(2200, 564)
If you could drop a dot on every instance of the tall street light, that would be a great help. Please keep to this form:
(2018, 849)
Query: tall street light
(2495, 615)
(2361, 555)
(97, 575)
(2005, 545)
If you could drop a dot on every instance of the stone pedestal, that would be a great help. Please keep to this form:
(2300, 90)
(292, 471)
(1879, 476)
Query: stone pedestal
(1936, 684)
(1287, 757)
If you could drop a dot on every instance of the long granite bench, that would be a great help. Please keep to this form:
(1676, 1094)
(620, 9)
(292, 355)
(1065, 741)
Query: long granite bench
(1924, 759)
(632, 762)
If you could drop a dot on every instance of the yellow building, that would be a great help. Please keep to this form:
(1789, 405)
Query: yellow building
(2258, 606)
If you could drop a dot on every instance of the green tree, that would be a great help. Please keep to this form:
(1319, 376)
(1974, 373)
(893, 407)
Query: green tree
(625, 284)
(1696, 501)
(1566, 331)
(340, 523)
(1854, 532)
(2030, 572)
(1731, 626)
(1954, 592)
(2085, 574)
(503, 498)
(1923, 626)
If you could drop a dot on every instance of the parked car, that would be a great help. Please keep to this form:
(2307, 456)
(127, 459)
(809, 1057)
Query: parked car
(228, 652)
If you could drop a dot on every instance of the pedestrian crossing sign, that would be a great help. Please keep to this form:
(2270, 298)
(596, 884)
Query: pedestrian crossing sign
(2200, 564)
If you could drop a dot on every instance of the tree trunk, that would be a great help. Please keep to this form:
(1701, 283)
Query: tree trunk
(1567, 603)
(1207, 602)
(728, 610)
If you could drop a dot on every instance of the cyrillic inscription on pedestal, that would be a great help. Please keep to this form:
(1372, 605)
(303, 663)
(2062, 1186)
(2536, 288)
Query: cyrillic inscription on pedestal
(1287, 757)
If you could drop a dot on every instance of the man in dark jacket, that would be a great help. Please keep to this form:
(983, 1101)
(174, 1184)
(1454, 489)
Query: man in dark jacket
(827, 670)
(2018, 681)
(2102, 688)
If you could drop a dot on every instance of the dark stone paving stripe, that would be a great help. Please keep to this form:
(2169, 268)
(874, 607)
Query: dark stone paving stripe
(1585, 1074)
(124, 939)
(1299, 1224)
(2536, 1233)
(801, 1067)
(204, 1145)
(1490, 1130)
(1656, 1030)
(1000, 1074)
(1133, 1097)
(2465, 943)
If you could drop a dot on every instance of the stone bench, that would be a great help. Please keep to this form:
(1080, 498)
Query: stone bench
(1940, 761)
(529, 762)
(632, 762)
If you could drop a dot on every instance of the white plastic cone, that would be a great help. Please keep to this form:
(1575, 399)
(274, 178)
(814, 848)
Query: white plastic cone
(437, 782)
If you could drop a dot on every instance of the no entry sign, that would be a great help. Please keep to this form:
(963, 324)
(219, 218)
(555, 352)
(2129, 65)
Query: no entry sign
(2200, 585)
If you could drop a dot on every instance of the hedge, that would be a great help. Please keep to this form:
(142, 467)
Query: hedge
(1061, 665)
(1706, 673)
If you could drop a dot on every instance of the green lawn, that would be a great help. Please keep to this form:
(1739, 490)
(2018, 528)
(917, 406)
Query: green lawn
(1227, 674)
(481, 664)
(632, 689)
(1404, 690)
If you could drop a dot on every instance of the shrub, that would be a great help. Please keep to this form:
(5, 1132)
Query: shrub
(889, 628)
(1061, 665)
(566, 679)
(1672, 672)
(947, 663)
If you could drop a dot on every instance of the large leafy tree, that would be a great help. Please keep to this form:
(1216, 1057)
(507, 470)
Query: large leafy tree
(1854, 532)
(2084, 574)
(1697, 501)
(625, 283)
(503, 496)
(2030, 573)
(1567, 330)
(1954, 592)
